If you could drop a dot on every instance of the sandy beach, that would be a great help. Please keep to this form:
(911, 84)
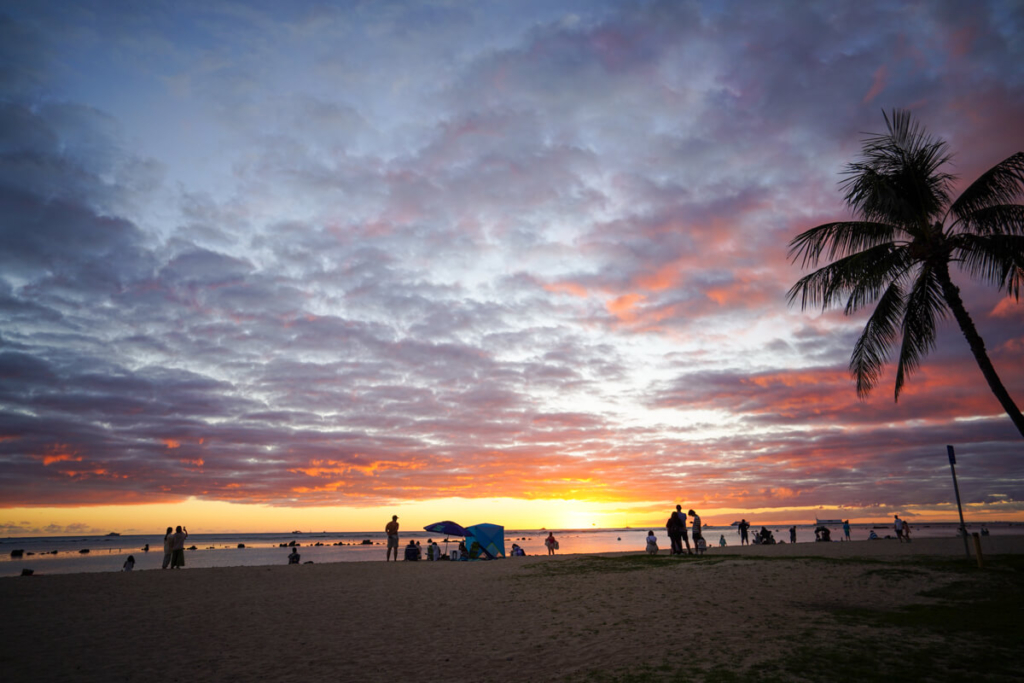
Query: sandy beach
(570, 617)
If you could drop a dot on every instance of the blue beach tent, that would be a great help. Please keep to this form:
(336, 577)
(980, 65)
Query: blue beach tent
(491, 538)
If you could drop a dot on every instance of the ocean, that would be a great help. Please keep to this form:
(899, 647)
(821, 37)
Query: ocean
(63, 554)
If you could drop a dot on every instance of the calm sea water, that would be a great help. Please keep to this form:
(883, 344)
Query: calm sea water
(62, 554)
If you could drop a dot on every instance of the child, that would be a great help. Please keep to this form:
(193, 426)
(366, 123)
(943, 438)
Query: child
(129, 564)
(701, 546)
(721, 540)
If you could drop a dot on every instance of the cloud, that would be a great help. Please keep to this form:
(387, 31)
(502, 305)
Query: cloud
(415, 251)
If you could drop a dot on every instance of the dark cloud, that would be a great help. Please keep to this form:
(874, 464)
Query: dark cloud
(298, 256)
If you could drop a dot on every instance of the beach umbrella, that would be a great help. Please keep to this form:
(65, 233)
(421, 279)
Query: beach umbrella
(446, 528)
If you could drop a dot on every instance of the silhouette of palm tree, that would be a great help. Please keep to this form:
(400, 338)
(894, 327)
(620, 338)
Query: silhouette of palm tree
(899, 251)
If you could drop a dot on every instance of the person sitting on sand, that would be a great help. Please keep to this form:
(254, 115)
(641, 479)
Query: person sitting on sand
(293, 557)
(412, 553)
(872, 536)
(652, 543)
(984, 530)
(129, 564)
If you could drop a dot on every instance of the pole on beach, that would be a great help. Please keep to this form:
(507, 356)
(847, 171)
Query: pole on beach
(959, 507)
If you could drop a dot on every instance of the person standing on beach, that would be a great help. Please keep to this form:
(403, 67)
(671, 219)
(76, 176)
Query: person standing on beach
(898, 524)
(167, 547)
(846, 529)
(392, 531)
(695, 529)
(178, 548)
(906, 531)
(792, 534)
(742, 527)
(676, 528)
(551, 542)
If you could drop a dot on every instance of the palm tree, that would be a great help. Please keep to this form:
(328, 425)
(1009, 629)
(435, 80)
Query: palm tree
(899, 251)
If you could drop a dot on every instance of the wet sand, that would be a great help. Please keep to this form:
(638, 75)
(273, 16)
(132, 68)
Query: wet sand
(527, 619)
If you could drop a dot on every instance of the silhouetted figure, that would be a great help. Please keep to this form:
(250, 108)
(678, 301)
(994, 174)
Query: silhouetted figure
(167, 547)
(742, 527)
(293, 556)
(392, 531)
(178, 548)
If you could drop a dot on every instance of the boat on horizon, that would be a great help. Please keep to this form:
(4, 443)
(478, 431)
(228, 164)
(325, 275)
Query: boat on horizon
(821, 522)
(113, 533)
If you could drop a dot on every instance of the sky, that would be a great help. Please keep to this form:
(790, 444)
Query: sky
(269, 265)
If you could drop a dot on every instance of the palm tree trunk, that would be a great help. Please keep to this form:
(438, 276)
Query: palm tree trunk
(977, 344)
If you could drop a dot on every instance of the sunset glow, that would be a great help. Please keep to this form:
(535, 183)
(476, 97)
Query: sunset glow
(270, 266)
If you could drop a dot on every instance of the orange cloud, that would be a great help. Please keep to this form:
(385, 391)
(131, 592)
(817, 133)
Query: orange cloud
(623, 307)
(172, 443)
(59, 453)
(571, 288)
(881, 75)
(1008, 307)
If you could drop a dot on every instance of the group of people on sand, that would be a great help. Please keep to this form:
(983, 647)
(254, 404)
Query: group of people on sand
(174, 547)
(414, 552)
(676, 526)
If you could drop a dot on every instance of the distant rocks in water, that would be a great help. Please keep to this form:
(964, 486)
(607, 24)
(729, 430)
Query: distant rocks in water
(317, 543)
(30, 553)
(52, 552)
(193, 548)
(18, 553)
(339, 543)
(27, 572)
(241, 545)
(83, 551)
(366, 542)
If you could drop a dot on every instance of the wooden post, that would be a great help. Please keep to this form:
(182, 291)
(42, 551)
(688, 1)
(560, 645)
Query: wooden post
(977, 550)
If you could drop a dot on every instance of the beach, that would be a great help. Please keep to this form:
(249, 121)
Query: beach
(570, 617)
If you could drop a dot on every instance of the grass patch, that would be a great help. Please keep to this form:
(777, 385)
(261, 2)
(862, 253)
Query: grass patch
(971, 629)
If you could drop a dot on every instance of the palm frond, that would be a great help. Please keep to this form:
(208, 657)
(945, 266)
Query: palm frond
(871, 351)
(1001, 184)
(995, 259)
(924, 303)
(898, 177)
(839, 239)
(994, 220)
(865, 272)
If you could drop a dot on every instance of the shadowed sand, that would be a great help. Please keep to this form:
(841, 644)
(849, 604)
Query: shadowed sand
(533, 618)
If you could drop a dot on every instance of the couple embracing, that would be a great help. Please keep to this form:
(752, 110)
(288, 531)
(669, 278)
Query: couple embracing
(676, 527)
